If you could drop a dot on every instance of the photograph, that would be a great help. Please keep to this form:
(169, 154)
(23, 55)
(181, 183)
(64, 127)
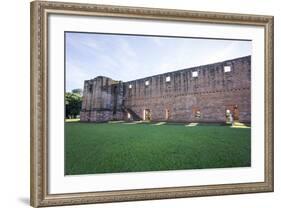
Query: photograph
(137, 103)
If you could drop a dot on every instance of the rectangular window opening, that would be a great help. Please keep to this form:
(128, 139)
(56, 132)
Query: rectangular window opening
(195, 74)
(227, 69)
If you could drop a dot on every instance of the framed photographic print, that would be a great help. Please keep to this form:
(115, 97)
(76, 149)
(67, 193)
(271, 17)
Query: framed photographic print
(143, 103)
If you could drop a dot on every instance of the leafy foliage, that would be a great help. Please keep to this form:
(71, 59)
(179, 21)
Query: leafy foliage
(73, 104)
(77, 91)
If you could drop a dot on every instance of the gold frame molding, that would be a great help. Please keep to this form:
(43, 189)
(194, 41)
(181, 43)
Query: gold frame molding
(39, 103)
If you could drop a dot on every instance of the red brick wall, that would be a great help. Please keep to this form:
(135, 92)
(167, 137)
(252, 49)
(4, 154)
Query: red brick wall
(209, 95)
(212, 92)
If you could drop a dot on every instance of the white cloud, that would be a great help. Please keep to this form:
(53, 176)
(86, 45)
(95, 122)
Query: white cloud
(126, 58)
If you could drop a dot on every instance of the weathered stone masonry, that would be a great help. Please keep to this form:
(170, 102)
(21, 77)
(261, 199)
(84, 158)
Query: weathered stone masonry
(198, 94)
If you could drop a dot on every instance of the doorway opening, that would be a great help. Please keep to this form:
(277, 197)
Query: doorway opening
(167, 114)
(232, 113)
(235, 113)
(146, 114)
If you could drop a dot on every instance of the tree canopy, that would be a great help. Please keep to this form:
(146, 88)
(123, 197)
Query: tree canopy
(77, 91)
(73, 104)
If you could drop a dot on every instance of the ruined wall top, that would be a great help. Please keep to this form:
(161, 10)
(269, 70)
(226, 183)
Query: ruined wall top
(226, 75)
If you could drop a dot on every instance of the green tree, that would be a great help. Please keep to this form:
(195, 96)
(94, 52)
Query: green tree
(73, 103)
(77, 91)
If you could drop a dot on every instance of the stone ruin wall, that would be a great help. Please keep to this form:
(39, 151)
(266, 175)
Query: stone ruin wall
(102, 100)
(212, 92)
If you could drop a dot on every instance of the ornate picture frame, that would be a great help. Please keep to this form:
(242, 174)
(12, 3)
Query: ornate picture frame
(40, 10)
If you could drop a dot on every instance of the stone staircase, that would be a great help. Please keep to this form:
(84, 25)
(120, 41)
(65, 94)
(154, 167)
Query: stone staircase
(135, 116)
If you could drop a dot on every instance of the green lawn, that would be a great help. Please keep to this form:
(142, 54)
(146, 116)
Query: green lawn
(110, 148)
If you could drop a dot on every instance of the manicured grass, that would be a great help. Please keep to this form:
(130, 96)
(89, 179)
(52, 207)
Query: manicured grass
(116, 147)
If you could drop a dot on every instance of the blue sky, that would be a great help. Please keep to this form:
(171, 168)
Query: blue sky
(127, 57)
